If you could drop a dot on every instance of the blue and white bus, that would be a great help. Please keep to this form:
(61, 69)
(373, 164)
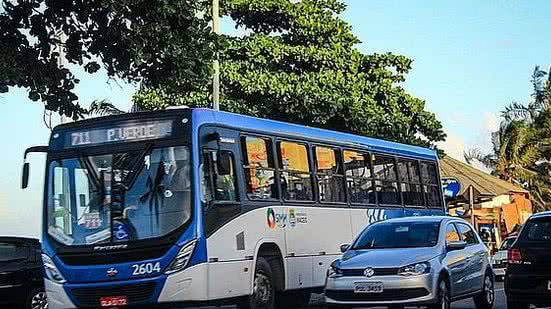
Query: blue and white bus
(195, 206)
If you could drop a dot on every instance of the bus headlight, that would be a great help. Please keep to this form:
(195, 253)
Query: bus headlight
(51, 271)
(182, 258)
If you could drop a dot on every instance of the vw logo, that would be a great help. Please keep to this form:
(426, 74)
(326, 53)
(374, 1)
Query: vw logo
(112, 272)
(369, 272)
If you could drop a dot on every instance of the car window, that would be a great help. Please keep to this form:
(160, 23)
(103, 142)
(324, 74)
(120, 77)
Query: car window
(452, 234)
(399, 235)
(537, 230)
(467, 234)
(507, 244)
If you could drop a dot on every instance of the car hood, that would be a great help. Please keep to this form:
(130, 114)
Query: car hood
(386, 258)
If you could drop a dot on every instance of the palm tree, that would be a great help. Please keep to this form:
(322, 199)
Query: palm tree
(521, 151)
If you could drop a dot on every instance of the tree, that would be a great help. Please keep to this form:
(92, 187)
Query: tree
(522, 146)
(157, 43)
(297, 62)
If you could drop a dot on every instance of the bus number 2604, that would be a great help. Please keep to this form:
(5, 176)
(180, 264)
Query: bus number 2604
(146, 268)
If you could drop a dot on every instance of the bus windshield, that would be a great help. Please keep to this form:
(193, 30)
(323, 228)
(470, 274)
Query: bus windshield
(119, 197)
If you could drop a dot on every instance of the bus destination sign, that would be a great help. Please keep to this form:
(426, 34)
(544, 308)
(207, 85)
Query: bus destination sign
(123, 133)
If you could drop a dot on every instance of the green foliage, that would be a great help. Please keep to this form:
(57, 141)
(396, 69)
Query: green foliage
(158, 43)
(522, 145)
(298, 63)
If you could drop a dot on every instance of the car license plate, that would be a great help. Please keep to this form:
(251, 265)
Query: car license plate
(368, 287)
(111, 301)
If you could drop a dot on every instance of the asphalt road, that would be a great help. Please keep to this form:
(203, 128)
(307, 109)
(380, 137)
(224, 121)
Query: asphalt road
(317, 301)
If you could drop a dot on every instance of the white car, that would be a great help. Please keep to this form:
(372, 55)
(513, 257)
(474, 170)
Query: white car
(499, 260)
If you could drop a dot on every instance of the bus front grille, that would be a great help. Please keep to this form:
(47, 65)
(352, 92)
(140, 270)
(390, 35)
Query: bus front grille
(136, 294)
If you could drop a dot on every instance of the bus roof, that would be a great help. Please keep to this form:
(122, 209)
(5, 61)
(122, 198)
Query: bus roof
(207, 116)
(202, 116)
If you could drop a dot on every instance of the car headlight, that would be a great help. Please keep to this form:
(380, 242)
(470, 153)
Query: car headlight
(415, 269)
(50, 270)
(334, 272)
(182, 258)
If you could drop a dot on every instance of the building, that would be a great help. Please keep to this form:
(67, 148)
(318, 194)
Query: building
(488, 202)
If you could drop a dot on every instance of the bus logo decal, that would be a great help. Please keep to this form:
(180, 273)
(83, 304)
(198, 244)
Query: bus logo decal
(271, 219)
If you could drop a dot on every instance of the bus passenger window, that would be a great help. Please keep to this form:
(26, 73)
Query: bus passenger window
(410, 183)
(386, 183)
(296, 180)
(259, 168)
(330, 175)
(431, 185)
(359, 178)
(219, 185)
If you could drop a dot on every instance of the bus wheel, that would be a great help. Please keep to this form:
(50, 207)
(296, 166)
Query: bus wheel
(293, 299)
(263, 288)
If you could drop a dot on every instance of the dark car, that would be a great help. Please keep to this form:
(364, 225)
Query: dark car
(21, 280)
(528, 276)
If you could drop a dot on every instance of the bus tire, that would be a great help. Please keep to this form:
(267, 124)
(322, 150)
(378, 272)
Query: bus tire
(263, 295)
(293, 299)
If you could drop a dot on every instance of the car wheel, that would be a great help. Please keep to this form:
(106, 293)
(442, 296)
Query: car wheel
(263, 288)
(37, 299)
(486, 299)
(444, 299)
(293, 299)
(517, 305)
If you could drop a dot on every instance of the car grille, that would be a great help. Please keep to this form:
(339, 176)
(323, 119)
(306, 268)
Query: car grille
(359, 272)
(7, 279)
(386, 295)
(500, 265)
(136, 293)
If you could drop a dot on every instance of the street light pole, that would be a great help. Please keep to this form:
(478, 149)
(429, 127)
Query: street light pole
(216, 64)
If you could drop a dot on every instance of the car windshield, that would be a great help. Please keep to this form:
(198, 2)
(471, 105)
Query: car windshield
(119, 197)
(12, 252)
(507, 244)
(537, 230)
(399, 235)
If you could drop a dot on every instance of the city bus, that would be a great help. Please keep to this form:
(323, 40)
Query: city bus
(196, 206)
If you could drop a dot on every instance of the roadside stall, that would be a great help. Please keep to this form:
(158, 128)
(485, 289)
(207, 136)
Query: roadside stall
(492, 205)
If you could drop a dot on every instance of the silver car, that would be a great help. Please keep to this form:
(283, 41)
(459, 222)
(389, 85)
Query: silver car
(428, 261)
(499, 260)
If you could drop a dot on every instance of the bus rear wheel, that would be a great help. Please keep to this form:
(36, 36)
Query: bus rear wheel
(263, 295)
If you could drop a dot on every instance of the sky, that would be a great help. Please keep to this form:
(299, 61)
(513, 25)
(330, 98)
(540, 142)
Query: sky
(471, 58)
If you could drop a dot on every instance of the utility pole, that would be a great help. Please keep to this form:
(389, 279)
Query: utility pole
(61, 62)
(216, 64)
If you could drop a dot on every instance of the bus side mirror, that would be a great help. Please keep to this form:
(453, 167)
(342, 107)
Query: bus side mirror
(344, 247)
(224, 163)
(25, 176)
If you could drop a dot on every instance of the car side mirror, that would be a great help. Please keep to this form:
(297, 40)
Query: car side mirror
(345, 248)
(25, 176)
(456, 245)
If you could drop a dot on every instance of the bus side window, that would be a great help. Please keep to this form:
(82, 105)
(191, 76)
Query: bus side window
(329, 171)
(359, 179)
(410, 182)
(258, 165)
(386, 182)
(295, 175)
(219, 178)
(431, 185)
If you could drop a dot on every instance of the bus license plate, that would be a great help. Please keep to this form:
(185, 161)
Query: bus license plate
(368, 287)
(111, 301)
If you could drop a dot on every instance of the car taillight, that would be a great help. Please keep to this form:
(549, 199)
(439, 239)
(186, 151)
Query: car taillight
(514, 256)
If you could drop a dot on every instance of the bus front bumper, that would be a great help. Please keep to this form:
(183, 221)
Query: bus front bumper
(188, 285)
